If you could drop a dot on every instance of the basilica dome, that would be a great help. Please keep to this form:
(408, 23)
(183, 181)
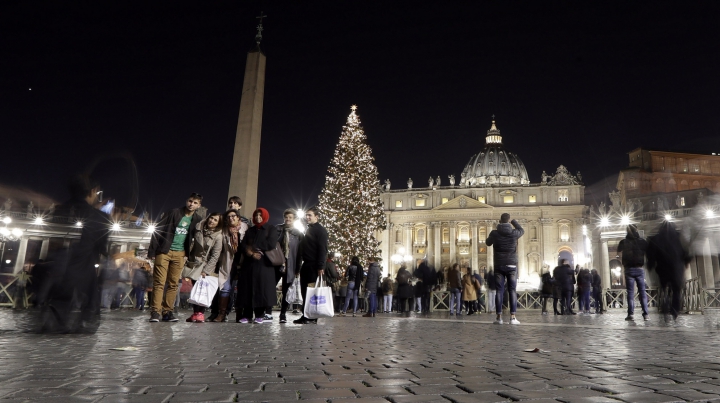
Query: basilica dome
(494, 165)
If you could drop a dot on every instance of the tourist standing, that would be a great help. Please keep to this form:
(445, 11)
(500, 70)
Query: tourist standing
(314, 254)
(504, 241)
(233, 232)
(419, 289)
(169, 246)
(371, 287)
(404, 289)
(290, 239)
(387, 288)
(565, 277)
(256, 277)
(632, 251)
(584, 281)
(454, 280)
(354, 275)
(667, 256)
(546, 290)
(204, 255)
(428, 276)
(478, 291)
(470, 285)
(491, 287)
(597, 290)
(139, 285)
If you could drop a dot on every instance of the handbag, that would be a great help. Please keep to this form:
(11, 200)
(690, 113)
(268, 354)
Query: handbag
(319, 301)
(191, 270)
(276, 256)
(203, 291)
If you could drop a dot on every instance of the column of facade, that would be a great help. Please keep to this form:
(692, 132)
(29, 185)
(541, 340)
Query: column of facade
(705, 269)
(453, 242)
(407, 239)
(387, 249)
(430, 237)
(605, 264)
(489, 249)
(44, 248)
(438, 244)
(546, 225)
(474, 246)
(20, 259)
(522, 268)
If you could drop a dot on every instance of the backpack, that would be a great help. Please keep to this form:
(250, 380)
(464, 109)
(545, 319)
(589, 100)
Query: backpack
(386, 286)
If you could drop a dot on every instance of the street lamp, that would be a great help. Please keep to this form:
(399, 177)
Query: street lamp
(401, 257)
(8, 235)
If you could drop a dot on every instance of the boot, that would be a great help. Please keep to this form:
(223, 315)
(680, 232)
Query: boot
(222, 310)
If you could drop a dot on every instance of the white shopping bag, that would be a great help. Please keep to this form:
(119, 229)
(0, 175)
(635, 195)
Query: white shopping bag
(319, 301)
(294, 293)
(203, 291)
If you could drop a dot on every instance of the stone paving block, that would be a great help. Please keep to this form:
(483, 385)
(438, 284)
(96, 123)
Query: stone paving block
(282, 396)
(617, 389)
(153, 381)
(436, 390)
(478, 398)
(594, 374)
(382, 391)
(533, 385)
(103, 390)
(530, 394)
(34, 384)
(276, 387)
(203, 397)
(326, 393)
(313, 378)
(123, 398)
(419, 399)
(691, 395)
(237, 387)
(389, 382)
(570, 383)
(591, 399)
(46, 393)
(687, 378)
(340, 385)
(435, 381)
(660, 387)
(647, 398)
(485, 387)
(610, 381)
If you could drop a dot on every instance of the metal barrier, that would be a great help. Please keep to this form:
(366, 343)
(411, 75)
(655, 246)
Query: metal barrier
(692, 296)
(6, 287)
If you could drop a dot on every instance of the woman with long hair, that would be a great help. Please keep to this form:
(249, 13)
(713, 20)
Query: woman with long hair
(233, 232)
(354, 275)
(256, 277)
(204, 254)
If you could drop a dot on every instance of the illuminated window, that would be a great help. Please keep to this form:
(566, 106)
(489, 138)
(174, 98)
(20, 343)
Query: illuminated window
(563, 195)
(508, 199)
(420, 236)
(444, 200)
(564, 232)
(481, 199)
(398, 203)
(682, 201)
(464, 233)
(419, 202)
(532, 199)
(445, 235)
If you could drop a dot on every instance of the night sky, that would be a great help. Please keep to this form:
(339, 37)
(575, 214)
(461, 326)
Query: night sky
(573, 83)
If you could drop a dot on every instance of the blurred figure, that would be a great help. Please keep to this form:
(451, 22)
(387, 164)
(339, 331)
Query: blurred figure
(546, 290)
(428, 277)
(584, 281)
(632, 250)
(354, 275)
(139, 284)
(491, 287)
(388, 289)
(565, 275)
(666, 255)
(371, 285)
(454, 279)
(504, 241)
(470, 287)
(419, 289)
(74, 282)
(597, 290)
(404, 289)
(481, 281)
(557, 292)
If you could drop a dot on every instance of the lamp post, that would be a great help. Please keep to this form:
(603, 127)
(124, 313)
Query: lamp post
(401, 257)
(8, 235)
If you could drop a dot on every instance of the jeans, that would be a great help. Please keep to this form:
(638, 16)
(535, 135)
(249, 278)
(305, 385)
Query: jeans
(584, 300)
(387, 303)
(226, 289)
(455, 304)
(597, 296)
(284, 304)
(139, 293)
(567, 300)
(418, 303)
(503, 273)
(351, 293)
(636, 275)
(373, 302)
(491, 300)
(427, 297)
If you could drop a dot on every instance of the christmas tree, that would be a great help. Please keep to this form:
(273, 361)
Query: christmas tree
(350, 204)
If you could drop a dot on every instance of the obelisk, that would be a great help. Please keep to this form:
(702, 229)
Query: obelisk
(246, 155)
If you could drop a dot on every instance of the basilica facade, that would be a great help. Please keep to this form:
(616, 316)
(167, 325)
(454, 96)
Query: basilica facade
(449, 223)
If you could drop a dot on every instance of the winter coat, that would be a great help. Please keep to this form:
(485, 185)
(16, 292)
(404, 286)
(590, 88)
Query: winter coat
(454, 278)
(596, 281)
(633, 249)
(426, 274)
(354, 274)
(230, 260)
(388, 286)
(547, 285)
(565, 277)
(205, 250)
(504, 243)
(419, 289)
(290, 244)
(373, 278)
(256, 278)
(164, 233)
(584, 280)
(666, 255)
(490, 283)
(404, 289)
(468, 284)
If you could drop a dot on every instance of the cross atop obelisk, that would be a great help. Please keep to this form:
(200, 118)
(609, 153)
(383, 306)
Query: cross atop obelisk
(246, 156)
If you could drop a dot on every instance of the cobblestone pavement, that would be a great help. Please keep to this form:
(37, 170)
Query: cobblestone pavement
(438, 358)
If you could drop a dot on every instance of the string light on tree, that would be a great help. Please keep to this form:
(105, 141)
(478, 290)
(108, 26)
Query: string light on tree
(350, 204)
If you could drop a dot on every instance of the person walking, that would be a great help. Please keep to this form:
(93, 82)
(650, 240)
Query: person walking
(491, 287)
(454, 281)
(371, 287)
(314, 250)
(429, 277)
(557, 291)
(470, 286)
(256, 277)
(169, 245)
(419, 292)
(546, 290)
(387, 288)
(597, 290)
(478, 291)
(504, 241)
(584, 281)
(354, 275)
(565, 275)
(204, 255)
(666, 255)
(404, 289)
(632, 252)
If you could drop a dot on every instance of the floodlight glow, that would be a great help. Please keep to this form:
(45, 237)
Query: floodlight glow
(625, 220)
(408, 258)
(7, 220)
(150, 228)
(8, 261)
(709, 214)
(584, 229)
(39, 221)
(97, 265)
(116, 227)
(79, 224)
(300, 213)
(4, 232)
(604, 222)
(668, 217)
(401, 251)
(17, 232)
(298, 225)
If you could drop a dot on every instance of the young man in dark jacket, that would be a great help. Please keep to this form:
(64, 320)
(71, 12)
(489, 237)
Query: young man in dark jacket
(504, 242)
(632, 249)
(565, 276)
(314, 251)
(169, 245)
(290, 240)
(597, 290)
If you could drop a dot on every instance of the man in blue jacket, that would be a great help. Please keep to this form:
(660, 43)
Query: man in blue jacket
(504, 242)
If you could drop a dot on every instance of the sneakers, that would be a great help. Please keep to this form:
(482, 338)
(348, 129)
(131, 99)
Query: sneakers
(192, 317)
(283, 319)
(169, 317)
(296, 311)
(646, 317)
(498, 321)
(341, 314)
(300, 321)
(630, 317)
(200, 317)
(243, 320)
(514, 321)
(154, 317)
(268, 317)
(258, 321)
